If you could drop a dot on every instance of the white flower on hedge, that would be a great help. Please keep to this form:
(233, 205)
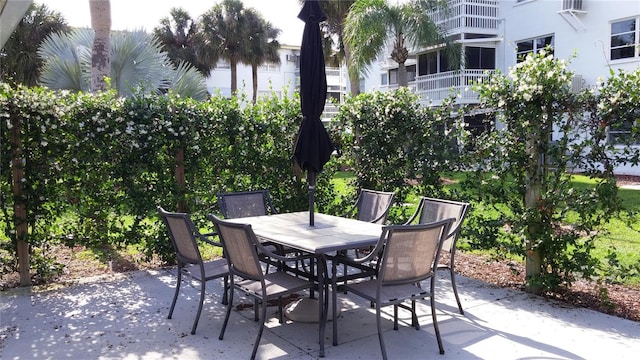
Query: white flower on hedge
(43, 143)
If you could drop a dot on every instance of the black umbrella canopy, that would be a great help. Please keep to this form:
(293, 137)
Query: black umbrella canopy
(313, 147)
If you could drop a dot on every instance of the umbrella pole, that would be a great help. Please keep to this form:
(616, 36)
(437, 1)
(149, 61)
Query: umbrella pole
(311, 180)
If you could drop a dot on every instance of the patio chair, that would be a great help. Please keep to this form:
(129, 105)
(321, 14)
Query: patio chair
(430, 210)
(407, 254)
(241, 248)
(371, 206)
(245, 203)
(183, 235)
(250, 203)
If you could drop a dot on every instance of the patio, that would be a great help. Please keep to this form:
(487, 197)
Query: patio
(124, 317)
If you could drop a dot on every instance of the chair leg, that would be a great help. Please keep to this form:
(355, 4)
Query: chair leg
(264, 317)
(175, 296)
(414, 317)
(226, 317)
(455, 289)
(280, 310)
(395, 317)
(334, 306)
(202, 292)
(255, 309)
(379, 323)
(344, 273)
(435, 319)
(225, 289)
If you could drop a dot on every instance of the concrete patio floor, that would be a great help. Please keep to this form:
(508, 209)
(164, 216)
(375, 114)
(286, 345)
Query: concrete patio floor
(125, 317)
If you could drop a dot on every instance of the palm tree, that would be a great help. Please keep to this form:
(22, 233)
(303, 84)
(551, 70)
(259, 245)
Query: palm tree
(371, 23)
(137, 63)
(19, 64)
(263, 46)
(100, 51)
(224, 29)
(181, 40)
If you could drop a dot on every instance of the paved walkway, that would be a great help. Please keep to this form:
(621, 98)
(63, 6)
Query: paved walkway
(124, 317)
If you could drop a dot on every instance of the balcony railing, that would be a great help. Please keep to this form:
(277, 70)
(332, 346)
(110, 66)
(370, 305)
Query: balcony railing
(468, 16)
(330, 110)
(437, 87)
(434, 88)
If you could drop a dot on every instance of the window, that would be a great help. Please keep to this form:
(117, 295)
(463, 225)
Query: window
(624, 39)
(411, 73)
(223, 64)
(533, 46)
(477, 125)
(480, 58)
(432, 63)
(622, 134)
(269, 67)
(383, 79)
(626, 130)
(393, 77)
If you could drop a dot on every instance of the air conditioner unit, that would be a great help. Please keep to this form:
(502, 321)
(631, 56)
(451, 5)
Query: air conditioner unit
(572, 5)
(577, 83)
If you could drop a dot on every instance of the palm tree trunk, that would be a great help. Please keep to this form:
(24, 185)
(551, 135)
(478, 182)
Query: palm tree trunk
(402, 75)
(254, 78)
(354, 76)
(234, 76)
(100, 52)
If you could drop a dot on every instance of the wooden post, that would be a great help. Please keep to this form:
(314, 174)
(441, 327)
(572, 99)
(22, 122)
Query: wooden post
(180, 180)
(534, 177)
(19, 203)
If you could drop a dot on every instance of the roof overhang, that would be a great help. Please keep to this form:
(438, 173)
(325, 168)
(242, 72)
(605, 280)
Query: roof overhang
(11, 12)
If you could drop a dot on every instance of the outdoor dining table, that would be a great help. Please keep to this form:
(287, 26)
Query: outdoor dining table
(329, 234)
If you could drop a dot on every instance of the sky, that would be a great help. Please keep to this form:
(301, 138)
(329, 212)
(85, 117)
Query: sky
(146, 14)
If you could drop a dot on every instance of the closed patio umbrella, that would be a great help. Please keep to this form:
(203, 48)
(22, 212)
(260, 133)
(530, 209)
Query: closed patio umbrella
(313, 146)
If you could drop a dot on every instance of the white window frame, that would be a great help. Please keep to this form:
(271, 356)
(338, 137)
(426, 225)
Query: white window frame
(636, 43)
(270, 67)
(536, 48)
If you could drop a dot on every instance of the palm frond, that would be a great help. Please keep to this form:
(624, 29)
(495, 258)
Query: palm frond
(187, 81)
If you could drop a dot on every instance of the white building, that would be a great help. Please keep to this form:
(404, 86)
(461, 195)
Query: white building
(603, 34)
(283, 79)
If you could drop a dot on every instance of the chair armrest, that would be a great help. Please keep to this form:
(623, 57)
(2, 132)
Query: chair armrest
(349, 212)
(207, 238)
(415, 213)
(266, 252)
(345, 259)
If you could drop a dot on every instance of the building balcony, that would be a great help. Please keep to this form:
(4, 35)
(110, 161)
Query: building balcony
(469, 17)
(433, 89)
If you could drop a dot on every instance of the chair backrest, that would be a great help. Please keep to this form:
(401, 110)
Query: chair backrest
(245, 203)
(373, 206)
(239, 244)
(182, 233)
(438, 209)
(410, 253)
